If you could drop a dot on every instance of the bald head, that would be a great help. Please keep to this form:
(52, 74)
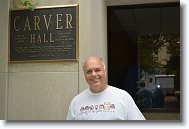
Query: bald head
(92, 59)
(95, 74)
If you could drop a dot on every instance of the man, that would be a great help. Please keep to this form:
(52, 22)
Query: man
(102, 101)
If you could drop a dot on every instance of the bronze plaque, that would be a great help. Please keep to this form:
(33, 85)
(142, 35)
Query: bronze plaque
(45, 34)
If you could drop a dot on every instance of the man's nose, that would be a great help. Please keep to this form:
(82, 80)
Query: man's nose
(94, 73)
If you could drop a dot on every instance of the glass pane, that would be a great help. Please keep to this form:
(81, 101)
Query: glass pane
(144, 53)
(159, 77)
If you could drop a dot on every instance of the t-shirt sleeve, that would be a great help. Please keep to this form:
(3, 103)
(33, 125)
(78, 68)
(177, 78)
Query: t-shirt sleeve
(70, 115)
(132, 111)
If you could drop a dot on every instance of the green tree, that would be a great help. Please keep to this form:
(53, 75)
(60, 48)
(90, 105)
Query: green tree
(151, 44)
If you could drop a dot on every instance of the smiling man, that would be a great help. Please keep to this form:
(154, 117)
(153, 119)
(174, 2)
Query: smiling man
(102, 101)
(95, 75)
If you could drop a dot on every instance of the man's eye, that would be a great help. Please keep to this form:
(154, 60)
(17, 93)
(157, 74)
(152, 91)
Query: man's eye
(89, 71)
(98, 70)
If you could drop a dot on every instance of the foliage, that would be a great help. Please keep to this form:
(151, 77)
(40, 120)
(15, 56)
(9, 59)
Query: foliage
(148, 47)
(151, 44)
(26, 3)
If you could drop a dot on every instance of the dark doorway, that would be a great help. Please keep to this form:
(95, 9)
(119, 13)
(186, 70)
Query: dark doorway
(137, 52)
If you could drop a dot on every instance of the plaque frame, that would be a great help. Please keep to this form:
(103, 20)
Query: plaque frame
(75, 57)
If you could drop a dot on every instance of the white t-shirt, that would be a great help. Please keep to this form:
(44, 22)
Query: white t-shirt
(111, 104)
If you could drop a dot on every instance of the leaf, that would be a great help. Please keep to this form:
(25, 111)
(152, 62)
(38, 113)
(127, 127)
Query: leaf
(26, 3)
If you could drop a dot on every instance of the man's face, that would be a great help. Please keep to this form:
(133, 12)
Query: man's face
(95, 74)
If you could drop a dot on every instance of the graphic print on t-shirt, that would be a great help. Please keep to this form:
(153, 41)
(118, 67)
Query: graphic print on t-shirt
(98, 108)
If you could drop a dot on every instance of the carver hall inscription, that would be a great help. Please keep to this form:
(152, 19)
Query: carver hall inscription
(45, 34)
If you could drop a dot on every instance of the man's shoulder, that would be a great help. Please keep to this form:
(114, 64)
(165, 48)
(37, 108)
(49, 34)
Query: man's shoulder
(119, 92)
(117, 89)
(81, 95)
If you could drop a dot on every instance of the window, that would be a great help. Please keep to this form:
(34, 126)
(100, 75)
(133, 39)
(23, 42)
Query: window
(144, 53)
(150, 80)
